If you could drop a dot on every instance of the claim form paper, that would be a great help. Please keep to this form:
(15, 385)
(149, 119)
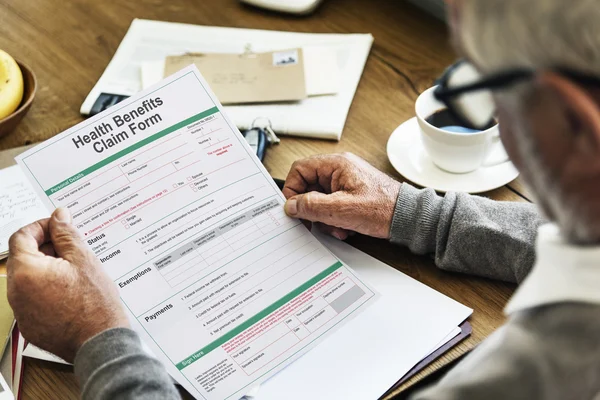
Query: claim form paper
(224, 288)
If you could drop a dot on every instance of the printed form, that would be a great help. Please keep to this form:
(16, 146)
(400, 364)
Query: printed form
(224, 288)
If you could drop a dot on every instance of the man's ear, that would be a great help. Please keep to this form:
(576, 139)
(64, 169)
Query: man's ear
(582, 107)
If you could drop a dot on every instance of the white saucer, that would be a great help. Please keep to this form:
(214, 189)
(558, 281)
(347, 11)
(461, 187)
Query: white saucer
(407, 155)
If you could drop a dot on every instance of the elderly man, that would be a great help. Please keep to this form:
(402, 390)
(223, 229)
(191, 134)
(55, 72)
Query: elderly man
(541, 61)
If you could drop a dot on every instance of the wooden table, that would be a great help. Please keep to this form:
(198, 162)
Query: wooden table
(68, 43)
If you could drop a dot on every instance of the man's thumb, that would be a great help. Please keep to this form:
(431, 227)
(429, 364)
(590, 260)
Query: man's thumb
(65, 237)
(312, 206)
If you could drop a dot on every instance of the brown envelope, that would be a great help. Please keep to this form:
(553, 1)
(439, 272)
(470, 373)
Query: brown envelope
(248, 78)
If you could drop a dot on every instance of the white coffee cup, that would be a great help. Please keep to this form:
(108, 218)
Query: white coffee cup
(452, 151)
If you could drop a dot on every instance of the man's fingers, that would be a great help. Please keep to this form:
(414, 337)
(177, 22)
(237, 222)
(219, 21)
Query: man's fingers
(65, 237)
(338, 233)
(313, 172)
(48, 249)
(29, 238)
(316, 207)
(295, 183)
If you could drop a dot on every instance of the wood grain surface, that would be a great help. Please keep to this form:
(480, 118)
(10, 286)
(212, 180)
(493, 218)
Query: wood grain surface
(68, 43)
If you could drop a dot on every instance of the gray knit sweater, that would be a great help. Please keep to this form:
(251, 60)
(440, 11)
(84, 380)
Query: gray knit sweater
(550, 352)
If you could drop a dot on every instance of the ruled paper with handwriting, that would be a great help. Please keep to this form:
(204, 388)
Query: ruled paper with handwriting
(19, 205)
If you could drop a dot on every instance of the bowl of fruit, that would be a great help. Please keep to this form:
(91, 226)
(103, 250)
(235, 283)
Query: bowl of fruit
(17, 90)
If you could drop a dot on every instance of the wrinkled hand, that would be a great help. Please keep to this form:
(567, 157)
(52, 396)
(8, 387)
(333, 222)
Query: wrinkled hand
(343, 192)
(57, 288)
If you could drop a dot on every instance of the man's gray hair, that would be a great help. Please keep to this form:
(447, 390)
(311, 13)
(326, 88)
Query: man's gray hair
(534, 33)
(540, 34)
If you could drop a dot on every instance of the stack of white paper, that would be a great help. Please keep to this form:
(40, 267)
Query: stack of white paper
(375, 349)
(320, 117)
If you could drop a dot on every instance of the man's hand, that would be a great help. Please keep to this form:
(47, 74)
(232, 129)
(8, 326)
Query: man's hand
(344, 192)
(57, 288)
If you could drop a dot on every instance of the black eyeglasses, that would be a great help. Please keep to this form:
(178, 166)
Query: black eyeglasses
(468, 95)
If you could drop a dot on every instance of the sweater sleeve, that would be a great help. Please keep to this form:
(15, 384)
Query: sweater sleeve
(549, 353)
(113, 365)
(468, 234)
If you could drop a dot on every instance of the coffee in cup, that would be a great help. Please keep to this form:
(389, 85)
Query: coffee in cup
(445, 120)
(452, 146)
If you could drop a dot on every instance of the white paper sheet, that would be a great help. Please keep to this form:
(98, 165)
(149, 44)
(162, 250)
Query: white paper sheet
(5, 393)
(406, 324)
(18, 372)
(455, 332)
(320, 117)
(19, 205)
(223, 287)
(6, 363)
(32, 351)
(322, 74)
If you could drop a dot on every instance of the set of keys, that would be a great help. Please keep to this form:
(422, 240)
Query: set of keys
(260, 137)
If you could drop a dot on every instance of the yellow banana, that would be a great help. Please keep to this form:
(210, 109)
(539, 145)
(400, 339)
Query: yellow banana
(11, 85)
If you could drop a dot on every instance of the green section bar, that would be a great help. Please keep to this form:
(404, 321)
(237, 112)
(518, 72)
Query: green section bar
(130, 149)
(253, 320)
